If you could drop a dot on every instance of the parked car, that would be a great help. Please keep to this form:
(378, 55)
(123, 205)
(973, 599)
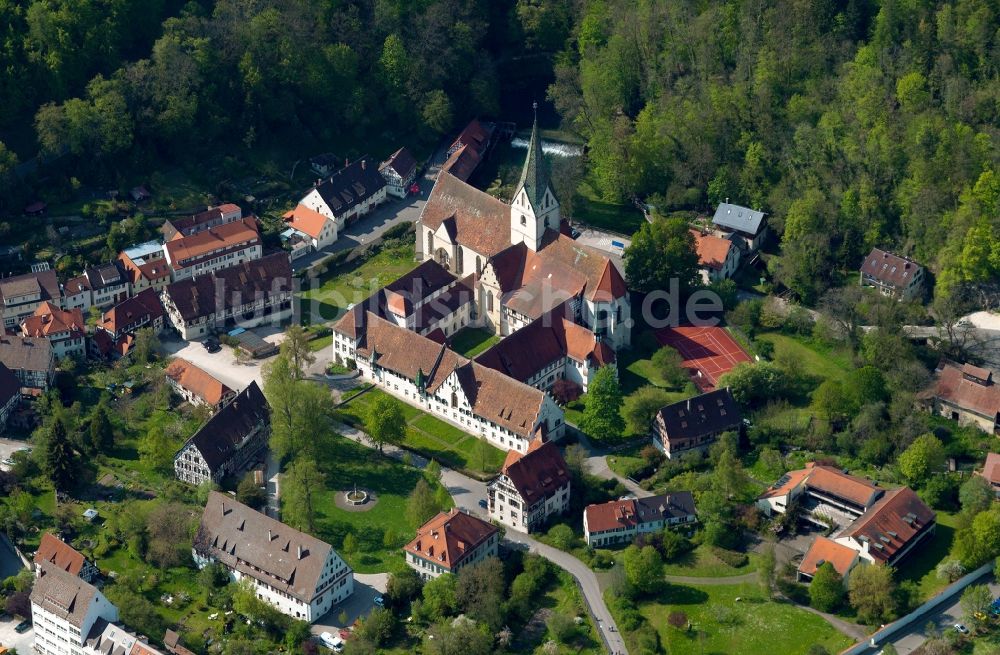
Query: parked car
(212, 345)
(484, 504)
(379, 601)
(8, 462)
(961, 628)
(332, 641)
(22, 627)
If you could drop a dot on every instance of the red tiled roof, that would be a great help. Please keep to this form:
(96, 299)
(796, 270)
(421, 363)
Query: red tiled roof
(306, 220)
(52, 550)
(610, 286)
(712, 251)
(449, 537)
(401, 161)
(145, 303)
(991, 470)
(462, 163)
(610, 515)
(184, 251)
(849, 487)
(792, 479)
(480, 221)
(889, 268)
(49, 319)
(957, 389)
(824, 550)
(890, 525)
(474, 135)
(197, 381)
(539, 473)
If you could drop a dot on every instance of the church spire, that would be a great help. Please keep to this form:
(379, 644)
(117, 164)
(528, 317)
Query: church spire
(534, 181)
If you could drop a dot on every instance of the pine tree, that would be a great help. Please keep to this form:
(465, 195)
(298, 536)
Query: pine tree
(102, 436)
(60, 459)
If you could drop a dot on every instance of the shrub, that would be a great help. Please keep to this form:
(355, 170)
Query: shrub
(561, 536)
(678, 619)
(731, 557)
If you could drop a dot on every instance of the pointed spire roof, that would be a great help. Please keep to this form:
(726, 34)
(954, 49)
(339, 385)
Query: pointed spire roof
(534, 178)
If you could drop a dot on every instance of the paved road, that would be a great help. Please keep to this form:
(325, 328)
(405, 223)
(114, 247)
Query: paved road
(366, 587)
(467, 494)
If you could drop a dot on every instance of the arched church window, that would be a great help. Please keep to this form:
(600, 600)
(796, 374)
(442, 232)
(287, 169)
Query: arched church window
(479, 265)
(441, 256)
(459, 261)
(489, 301)
(430, 242)
(454, 399)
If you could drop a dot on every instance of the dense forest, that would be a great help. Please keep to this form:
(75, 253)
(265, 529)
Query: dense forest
(853, 123)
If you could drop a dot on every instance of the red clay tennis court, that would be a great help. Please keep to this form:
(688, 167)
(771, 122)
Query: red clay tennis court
(708, 351)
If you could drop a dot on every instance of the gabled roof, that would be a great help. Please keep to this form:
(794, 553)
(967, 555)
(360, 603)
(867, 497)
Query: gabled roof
(153, 270)
(63, 594)
(351, 185)
(534, 176)
(628, 513)
(712, 250)
(305, 220)
(146, 303)
(218, 439)
(260, 278)
(786, 483)
(186, 250)
(480, 221)
(539, 473)
(197, 381)
(25, 353)
(890, 525)
(833, 481)
(889, 268)
(401, 162)
(462, 163)
(112, 639)
(44, 283)
(824, 550)
(957, 387)
(107, 275)
(739, 218)
(704, 415)
(49, 320)
(532, 348)
(261, 547)
(991, 470)
(610, 286)
(219, 213)
(449, 537)
(55, 552)
(474, 135)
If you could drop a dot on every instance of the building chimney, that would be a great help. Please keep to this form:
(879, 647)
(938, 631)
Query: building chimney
(299, 550)
(727, 200)
(270, 535)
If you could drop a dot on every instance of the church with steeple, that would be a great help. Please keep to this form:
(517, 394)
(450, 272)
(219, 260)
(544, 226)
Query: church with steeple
(519, 256)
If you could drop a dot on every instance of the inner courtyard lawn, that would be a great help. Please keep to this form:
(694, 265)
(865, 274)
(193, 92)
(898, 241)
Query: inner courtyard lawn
(754, 624)
(469, 341)
(327, 297)
(432, 437)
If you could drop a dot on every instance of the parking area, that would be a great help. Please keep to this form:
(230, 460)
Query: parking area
(8, 447)
(366, 587)
(608, 242)
(23, 642)
(223, 364)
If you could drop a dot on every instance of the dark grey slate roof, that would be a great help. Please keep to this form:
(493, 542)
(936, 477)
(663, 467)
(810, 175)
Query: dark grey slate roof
(707, 414)
(351, 185)
(739, 218)
(219, 438)
(223, 289)
(666, 506)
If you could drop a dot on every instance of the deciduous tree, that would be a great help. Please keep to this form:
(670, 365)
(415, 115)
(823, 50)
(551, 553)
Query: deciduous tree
(602, 414)
(301, 484)
(826, 591)
(923, 458)
(661, 252)
(871, 591)
(385, 421)
(296, 348)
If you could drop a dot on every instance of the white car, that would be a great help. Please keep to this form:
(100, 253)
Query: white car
(332, 641)
(961, 628)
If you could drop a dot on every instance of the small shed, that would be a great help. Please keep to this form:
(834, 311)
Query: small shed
(90, 514)
(140, 193)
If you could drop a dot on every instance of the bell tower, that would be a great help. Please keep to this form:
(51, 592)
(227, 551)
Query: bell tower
(534, 208)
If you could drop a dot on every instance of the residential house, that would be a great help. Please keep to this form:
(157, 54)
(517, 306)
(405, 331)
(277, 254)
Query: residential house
(746, 227)
(718, 258)
(146, 266)
(196, 385)
(399, 171)
(891, 528)
(206, 251)
(462, 163)
(548, 350)
(308, 226)
(450, 541)
(300, 575)
(64, 610)
(696, 423)
(324, 164)
(532, 487)
(230, 440)
(31, 360)
(827, 492)
(823, 550)
(349, 194)
(172, 641)
(967, 394)
(245, 295)
(991, 470)
(64, 329)
(525, 266)
(21, 295)
(112, 639)
(894, 276)
(423, 371)
(211, 217)
(114, 334)
(53, 551)
(475, 135)
(99, 286)
(10, 395)
(621, 521)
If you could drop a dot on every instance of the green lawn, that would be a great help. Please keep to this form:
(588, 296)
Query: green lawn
(327, 297)
(922, 563)
(702, 563)
(322, 342)
(379, 532)
(722, 625)
(816, 360)
(592, 210)
(469, 341)
(434, 438)
(626, 462)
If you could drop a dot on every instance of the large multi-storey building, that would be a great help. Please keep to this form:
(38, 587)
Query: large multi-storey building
(21, 295)
(223, 246)
(449, 542)
(532, 487)
(65, 609)
(621, 521)
(30, 359)
(99, 286)
(300, 575)
(64, 329)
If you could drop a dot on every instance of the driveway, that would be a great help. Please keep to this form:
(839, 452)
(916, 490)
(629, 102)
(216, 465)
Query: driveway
(10, 446)
(359, 604)
(394, 212)
(23, 643)
(223, 365)
(606, 242)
